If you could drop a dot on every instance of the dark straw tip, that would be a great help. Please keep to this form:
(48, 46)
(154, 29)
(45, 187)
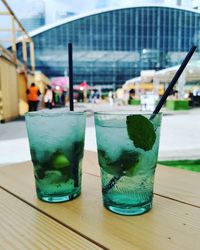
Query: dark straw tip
(70, 65)
(173, 82)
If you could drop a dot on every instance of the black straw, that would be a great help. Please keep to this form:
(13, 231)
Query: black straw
(71, 90)
(174, 80)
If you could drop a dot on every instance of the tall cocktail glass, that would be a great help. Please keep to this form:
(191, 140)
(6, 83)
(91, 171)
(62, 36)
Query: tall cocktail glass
(56, 139)
(127, 153)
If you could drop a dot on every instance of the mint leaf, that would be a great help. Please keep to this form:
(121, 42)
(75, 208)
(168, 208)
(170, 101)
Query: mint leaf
(141, 131)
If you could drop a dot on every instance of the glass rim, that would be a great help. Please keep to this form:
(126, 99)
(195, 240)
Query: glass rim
(124, 112)
(49, 113)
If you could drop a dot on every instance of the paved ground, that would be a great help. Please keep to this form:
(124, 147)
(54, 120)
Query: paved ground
(180, 135)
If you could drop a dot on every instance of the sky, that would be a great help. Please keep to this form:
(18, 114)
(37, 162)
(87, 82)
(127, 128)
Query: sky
(26, 7)
(77, 6)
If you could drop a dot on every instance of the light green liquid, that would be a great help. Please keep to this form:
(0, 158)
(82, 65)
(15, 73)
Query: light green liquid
(133, 168)
(57, 183)
(56, 141)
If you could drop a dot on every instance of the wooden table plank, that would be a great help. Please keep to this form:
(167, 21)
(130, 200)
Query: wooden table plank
(23, 227)
(178, 184)
(169, 225)
(90, 163)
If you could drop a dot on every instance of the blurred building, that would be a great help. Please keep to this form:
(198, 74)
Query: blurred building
(196, 4)
(180, 3)
(59, 15)
(113, 45)
(33, 22)
(36, 16)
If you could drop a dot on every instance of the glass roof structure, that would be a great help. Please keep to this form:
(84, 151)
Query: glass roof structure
(114, 45)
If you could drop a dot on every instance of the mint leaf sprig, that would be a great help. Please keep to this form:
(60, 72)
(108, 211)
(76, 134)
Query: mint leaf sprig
(141, 131)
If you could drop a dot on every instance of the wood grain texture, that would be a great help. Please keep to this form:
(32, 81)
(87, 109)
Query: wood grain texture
(178, 184)
(174, 183)
(169, 225)
(90, 163)
(23, 227)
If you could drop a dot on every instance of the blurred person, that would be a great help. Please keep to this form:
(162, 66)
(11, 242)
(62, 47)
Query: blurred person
(80, 96)
(92, 97)
(48, 97)
(131, 95)
(120, 97)
(173, 94)
(126, 97)
(97, 96)
(33, 94)
(63, 97)
(111, 97)
(191, 99)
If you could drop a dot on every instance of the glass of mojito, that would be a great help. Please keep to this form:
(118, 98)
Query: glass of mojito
(127, 153)
(56, 139)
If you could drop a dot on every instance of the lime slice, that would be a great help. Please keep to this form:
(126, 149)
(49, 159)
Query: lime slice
(60, 161)
(53, 177)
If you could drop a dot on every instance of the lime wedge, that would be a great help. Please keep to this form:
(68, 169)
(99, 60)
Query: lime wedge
(60, 161)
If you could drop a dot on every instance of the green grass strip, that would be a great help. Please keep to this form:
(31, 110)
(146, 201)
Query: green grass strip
(192, 165)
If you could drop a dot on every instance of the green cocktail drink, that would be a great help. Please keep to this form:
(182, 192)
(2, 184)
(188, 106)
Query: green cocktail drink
(127, 152)
(56, 139)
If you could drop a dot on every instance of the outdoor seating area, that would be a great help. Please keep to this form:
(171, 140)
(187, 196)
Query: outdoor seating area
(185, 95)
(99, 125)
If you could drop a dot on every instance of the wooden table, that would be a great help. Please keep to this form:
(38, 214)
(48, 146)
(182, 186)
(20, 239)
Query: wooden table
(28, 223)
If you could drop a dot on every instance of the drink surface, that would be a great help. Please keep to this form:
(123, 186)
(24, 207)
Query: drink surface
(127, 171)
